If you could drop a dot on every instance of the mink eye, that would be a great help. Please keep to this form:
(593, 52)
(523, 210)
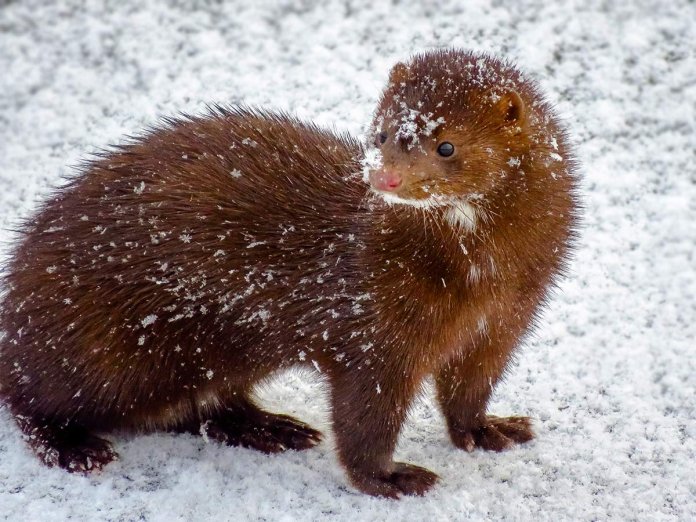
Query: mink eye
(445, 149)
(381, 138)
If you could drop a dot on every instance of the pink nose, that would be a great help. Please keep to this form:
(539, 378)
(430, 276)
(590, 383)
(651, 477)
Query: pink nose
(387, 181)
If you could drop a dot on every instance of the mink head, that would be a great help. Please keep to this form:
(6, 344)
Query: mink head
(450, 126)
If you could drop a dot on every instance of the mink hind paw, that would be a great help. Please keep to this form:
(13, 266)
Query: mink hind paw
(91, 454)
(402, 479)
(494, 434)
(67, 446)
(266, 432)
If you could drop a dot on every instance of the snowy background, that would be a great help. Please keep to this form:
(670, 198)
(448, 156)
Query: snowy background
(610, 377)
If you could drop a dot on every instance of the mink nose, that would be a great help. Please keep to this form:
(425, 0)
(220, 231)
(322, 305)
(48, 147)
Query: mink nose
(385, 180)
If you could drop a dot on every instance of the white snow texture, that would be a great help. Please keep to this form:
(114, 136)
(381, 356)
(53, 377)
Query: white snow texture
(610, 376)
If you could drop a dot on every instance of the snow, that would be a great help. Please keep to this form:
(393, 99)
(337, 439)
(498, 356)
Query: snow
(409, 130)
(148, 320)
(611, 374)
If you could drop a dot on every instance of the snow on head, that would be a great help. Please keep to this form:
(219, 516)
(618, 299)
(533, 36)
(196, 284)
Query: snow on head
(413, 124)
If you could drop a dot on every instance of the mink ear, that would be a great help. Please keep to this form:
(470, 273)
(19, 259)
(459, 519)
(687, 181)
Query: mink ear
(398, 74)
(512, 108)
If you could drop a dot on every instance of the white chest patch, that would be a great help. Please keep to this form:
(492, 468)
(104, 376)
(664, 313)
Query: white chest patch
(491, 264)
(482, 325)
(474, 274)
(462, 216)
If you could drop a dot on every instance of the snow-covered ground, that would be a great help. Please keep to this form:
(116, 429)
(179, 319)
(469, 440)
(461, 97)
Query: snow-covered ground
(610, 377)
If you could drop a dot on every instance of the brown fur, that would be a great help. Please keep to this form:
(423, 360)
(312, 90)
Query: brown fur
(158, 286)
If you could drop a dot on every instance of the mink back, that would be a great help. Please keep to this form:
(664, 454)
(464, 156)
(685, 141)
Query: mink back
(145, 277)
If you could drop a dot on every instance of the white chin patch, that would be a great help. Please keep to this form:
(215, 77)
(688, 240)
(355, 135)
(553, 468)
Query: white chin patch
(462, 216)
(429, 202)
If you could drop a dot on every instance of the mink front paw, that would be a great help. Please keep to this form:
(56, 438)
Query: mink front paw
(401, 479)
(494, 433)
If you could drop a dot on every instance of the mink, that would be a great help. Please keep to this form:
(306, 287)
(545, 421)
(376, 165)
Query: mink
(172, 273)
